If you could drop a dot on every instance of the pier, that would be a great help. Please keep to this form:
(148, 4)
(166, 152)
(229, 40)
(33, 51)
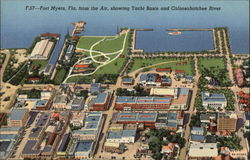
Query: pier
(189, 29)
(78, 27)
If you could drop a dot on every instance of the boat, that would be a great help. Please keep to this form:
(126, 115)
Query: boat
(175, 33)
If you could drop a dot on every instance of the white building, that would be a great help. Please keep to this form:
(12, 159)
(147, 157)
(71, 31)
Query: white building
(213, 100)
(197, 131)
(173, 92)
(124, 136)
(77, 119)
(203, 150)
(42, 50)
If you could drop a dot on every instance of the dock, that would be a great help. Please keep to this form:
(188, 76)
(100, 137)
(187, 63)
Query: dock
(78, 27)
(189, 29)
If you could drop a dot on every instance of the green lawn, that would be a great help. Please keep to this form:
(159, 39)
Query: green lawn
(139, 63)
(110, 44)
(211, 62)
(59, 77)
(43, 63)
(85, 42)
(214, 67)
(111, 68)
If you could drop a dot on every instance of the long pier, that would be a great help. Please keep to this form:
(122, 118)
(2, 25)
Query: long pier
(189, 29)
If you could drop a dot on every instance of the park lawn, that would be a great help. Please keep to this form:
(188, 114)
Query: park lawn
(110, 44)
(216, 64)
(59, 77)
(43, 63)
(211, 62)
(85, 42)
(140, 63)
(112, 68)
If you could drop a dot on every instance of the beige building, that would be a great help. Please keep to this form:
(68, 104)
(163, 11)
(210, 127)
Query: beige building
(18, 117)
(226, 122)
(42, 50)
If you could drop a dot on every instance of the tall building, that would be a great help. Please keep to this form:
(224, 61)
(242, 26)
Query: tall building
(18, 117)
(226, 122)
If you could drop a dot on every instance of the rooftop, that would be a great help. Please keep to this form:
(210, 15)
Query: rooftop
(101, 98)
(18, 114)
(213, 97)
(84, 146)
(60, 99)
(144, 100)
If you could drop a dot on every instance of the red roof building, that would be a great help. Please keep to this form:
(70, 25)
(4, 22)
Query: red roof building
(81, 66)
(163, 70)
(50, 35)
(179, 71)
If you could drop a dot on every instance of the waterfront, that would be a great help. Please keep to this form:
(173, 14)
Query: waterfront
(19, 27)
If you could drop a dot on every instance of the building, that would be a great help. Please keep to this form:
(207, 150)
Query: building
(127, 81)
(197, 131)
(7, 143)
(166, 70)
(84, 150)
(123, 136)
(207, 117)
(201, 151)
(170, 120)
(183, 100)
(77, 119)
(63, 145)
(42, 50)
(101, 102)
(150, 79)
(239, 77)
(247, 120)
(226, 121)
(189, 79)
(168, 92)
(60, 102)
(197, 138)
(77, 104)
(96, 88)
(42, 104)
(169, 149)
(147, 119)
(179, 73)
(46, 95)
(18, 117)
(213, 100)
(128, 103)
(69, 52)
(78, 68)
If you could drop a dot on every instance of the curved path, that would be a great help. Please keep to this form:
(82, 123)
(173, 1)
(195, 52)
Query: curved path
(119, 52)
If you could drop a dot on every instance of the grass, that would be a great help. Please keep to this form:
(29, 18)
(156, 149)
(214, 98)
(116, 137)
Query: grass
(211, 62)
(85, 42)
(110, 44)
(111, 68)
(140, 63)
(60, 75)
(215, 66)
(43, 63)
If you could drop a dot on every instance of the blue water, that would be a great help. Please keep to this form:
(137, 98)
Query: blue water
(160, 40)
(19, 27)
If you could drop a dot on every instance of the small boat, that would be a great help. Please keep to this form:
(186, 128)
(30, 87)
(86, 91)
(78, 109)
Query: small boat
(174, 33)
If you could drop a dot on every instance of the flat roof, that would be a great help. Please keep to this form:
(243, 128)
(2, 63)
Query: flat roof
(197, 137)
(101, 98)
(8, 136)
(114, 134)
(132, 116)
(9, 129)
(143, 100)
(29, 148)
(35, 132)
(17, 113)
(60, 99)
(64, 143)
(127, 80)
(84, 146)
(164, 91)
(41, 102)
(213, 97)
(43, 120)
(128, 133)
(77, 101)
